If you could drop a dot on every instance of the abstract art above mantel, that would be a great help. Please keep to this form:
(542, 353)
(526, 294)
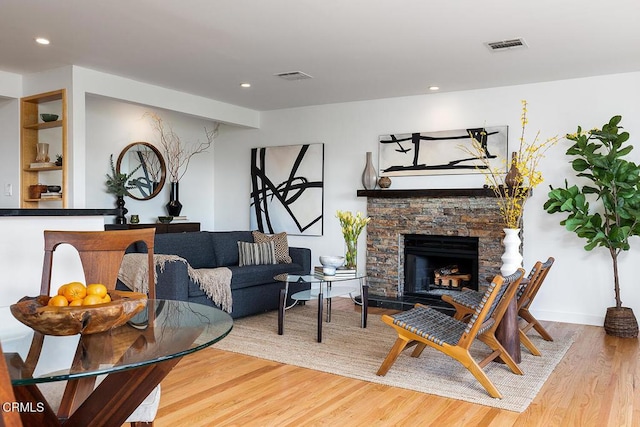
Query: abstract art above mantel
(287, 189)
(441, 152)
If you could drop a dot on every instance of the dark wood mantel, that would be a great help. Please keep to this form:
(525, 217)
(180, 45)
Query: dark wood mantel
(428, 192)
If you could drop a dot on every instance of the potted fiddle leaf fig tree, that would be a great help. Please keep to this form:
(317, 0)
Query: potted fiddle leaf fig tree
(605, 211)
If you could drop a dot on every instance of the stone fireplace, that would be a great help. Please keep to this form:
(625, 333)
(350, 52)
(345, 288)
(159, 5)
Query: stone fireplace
(437, 262)
(448, 212)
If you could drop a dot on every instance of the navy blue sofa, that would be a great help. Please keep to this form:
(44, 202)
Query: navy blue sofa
(253, 288)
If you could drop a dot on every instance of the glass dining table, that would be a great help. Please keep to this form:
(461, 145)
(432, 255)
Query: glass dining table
(134, 357)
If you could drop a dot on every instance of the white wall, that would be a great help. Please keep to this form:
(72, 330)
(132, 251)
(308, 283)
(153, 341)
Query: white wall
(10, 148)
(579, 287)
(22, 254)
(111, 125)
(89, 82)
(10, 85)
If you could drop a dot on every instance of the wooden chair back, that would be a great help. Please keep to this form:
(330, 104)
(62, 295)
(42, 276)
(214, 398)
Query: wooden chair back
(101, 254)
(8, 418)
(492, 306)
(507, 294)
(526, 297)
(537, 275)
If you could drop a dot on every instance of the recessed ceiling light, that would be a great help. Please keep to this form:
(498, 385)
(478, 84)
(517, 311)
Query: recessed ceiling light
(434, 88)
(42, 40)
(245, 85)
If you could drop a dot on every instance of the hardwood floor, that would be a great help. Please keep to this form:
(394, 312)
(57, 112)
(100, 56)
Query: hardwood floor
(594, 385)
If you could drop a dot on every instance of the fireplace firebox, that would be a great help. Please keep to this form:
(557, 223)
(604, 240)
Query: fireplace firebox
(433, 263)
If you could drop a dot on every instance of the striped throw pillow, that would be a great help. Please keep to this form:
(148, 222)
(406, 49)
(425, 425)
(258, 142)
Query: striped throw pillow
(256, 253)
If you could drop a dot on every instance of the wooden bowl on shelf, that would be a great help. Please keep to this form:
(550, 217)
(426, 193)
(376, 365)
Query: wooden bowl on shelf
(88, 319)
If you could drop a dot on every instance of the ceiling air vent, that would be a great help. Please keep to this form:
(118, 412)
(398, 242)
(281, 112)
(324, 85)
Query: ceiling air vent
(506, 44)
(294, 75)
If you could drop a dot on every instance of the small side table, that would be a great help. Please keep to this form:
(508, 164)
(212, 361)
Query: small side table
(325, 290)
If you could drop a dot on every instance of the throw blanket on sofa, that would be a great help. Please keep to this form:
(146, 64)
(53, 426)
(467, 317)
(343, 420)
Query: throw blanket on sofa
(215, 282)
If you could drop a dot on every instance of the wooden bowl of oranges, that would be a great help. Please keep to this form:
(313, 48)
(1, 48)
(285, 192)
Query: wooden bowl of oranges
(78, 309)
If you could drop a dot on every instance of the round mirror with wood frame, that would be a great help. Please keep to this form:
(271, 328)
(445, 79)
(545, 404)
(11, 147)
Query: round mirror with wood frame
(147, 168)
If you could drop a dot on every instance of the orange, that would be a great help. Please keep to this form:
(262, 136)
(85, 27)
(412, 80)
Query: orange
(91, 300)
(106, 298)
(97, 289)
(75, 303)
(58, 301)
(74, 291)
(61, 289)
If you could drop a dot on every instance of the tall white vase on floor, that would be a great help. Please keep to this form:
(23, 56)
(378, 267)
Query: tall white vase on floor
(511, 258)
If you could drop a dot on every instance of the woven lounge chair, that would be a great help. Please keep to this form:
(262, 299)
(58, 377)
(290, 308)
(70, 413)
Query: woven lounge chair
(466, 301)
(424, 326)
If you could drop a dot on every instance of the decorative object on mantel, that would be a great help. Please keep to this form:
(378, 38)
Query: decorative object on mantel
(615, 184)
(58, 160)
(513, 177)
(384, 182)
(352, 226)
(369, 176)
(118, 184)
(177, 155)
(513, 189)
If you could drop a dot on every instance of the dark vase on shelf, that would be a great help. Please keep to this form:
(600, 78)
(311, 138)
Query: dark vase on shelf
(122, 211)
(174, 206)
(513, 178)
(369, 176)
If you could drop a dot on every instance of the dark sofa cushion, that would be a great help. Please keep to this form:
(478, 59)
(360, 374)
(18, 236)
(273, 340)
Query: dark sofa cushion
(249, 276)
(225, 246)
(253, 275)
(196, 247)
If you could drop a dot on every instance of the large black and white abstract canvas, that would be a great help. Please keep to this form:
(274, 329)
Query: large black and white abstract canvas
(287, 189)
(441, 152)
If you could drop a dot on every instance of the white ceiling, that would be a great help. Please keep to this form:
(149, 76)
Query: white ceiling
(354, 49)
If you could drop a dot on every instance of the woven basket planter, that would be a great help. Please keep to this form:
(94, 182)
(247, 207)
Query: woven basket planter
(621, 322)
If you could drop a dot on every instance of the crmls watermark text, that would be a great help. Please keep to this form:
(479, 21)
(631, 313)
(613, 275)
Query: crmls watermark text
(22, 406)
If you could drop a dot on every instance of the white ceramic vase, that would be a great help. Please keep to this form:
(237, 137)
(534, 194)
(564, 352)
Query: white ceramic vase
(511, 258)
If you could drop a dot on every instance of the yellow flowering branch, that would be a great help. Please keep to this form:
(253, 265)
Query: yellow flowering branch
(512, 198)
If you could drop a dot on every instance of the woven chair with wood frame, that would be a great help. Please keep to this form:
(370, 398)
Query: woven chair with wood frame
(424, 326)
(466, 301)
(101, 254)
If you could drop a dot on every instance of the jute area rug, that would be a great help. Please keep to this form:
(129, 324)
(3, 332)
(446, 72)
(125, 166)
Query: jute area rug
(350, 351)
